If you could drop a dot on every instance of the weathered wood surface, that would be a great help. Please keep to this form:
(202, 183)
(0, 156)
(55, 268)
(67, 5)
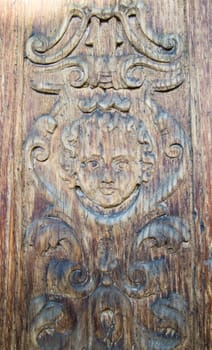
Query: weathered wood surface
(11, 78)
(106, 177)
(199, 17)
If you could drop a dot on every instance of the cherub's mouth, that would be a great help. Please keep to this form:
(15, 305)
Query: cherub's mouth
(107, 189)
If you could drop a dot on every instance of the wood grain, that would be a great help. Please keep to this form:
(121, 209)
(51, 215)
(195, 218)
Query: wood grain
(11, 47)
(199, 37)
(105, 208)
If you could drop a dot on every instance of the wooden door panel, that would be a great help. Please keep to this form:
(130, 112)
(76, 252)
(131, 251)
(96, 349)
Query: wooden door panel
(111, 230)
(104, 263)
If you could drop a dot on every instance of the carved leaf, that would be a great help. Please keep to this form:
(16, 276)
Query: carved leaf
(49, 320)
(171, 327)
(148, 277)
(55, 247)
(94, 157)
(168, 231)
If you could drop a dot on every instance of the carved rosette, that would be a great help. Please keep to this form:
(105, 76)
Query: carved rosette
(84, 284)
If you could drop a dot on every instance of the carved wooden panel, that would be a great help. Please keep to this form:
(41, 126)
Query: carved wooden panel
(107, 254)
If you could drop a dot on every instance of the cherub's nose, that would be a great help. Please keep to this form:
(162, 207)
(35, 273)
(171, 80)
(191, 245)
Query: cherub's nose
(107, 175)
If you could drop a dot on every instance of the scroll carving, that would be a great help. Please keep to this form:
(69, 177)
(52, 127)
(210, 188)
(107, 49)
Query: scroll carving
(156, 58)
(86, 171)
(47, 322)
(171, 326)
(54, 248)
(104, 246)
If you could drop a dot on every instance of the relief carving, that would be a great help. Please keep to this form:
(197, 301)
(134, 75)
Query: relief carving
(48, 322)
(105, 245)
(155, 58)
(54, 250)
(109, 156)
(171, 324)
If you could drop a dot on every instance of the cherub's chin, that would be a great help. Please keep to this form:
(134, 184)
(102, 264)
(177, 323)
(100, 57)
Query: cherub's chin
(109, 201)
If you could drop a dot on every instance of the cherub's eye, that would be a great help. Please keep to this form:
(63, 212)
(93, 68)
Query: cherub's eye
(93, 164)
(120, 164)
(90, 164)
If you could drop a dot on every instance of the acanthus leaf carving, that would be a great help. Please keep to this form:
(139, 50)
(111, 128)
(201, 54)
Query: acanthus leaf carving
(48, 318)
(105, 103)
(168, 231)
(67, 278)
(146, 277)
(143, 278)
(171, 324)
(66, 270)
(108, 170)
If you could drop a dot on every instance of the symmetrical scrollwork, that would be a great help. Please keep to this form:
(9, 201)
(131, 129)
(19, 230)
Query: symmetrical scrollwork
(102, 164)
(157, 47)
(156, 57)
(55, 249)
(108, 181)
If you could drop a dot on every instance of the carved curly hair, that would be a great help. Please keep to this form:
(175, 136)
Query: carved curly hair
(109, 121)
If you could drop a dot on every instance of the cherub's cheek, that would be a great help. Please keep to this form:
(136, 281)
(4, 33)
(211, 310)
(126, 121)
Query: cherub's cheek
(123, 175)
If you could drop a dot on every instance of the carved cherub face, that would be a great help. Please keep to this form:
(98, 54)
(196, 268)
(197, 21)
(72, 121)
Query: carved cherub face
(108, 153)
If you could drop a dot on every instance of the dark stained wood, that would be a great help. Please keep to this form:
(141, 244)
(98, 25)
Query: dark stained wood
(106, 155)
(199, 17)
